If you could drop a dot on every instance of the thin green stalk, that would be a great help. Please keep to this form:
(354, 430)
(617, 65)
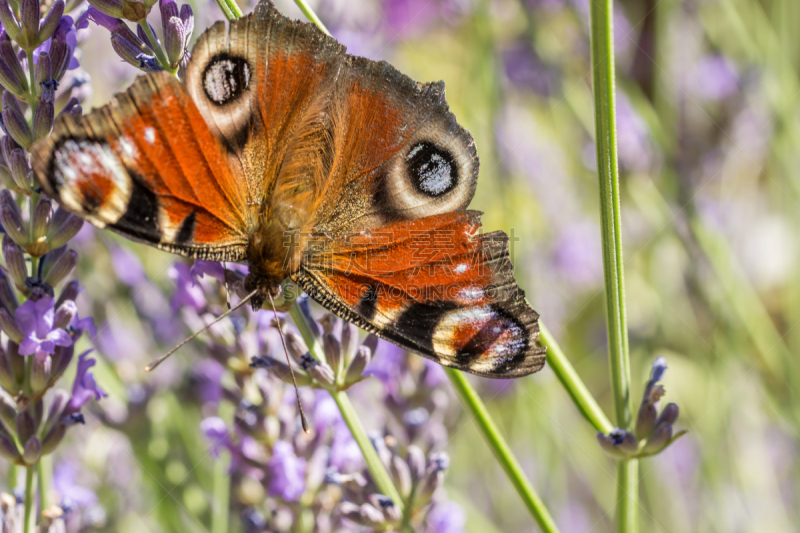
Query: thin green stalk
(33, 97)
(572, 382)
(374, 464)
(157, 49)
(220, 505)
(502, 452)
(311, 16)
(29, 503)
(230, 9)
(602, 46)
(45, 468)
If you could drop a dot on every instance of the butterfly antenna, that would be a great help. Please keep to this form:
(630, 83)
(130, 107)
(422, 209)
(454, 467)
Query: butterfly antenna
(286, 351)
(225, 277)
(152, 366)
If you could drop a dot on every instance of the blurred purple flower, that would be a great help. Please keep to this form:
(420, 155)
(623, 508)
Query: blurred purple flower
(187, 292)
(84, 324)
(85, 387)
(216, 432)
(577, 255)
(525, 70)
(35, 320)
(64, 482)
(714, 77)
(287, 472)
(66, 32)
(208, 374)
(128, 267)
(99, 18)
(404, 17)
(446, 517)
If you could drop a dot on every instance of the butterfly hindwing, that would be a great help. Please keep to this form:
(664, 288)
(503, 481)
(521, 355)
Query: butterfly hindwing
(147, 166)
(435, 286)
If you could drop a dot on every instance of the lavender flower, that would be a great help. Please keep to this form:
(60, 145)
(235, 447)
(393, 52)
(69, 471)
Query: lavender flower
(35, 320)
(287, 472)
(85, 388)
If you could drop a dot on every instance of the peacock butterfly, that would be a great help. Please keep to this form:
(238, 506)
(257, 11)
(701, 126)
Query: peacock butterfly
(341, 173)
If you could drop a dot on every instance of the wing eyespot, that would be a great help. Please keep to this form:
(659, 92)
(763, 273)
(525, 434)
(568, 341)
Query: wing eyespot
(226, 78)
(432, 170)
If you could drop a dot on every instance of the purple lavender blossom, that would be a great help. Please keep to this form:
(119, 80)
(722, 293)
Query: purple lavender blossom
(525, 70)
(207, 375)
(85, 387)
(187, 292)
(714, 78)
(577, 255)
(128, 267)
(215, 430)
(66, 32)
(287, 472)
(65, 483)
(446, 517)
(35, 320)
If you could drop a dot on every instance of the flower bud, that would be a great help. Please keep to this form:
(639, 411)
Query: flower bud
(11, 219)
(54, 437)
(9, 327)
(15, 124)
(56, 410)
(20, 170)
(51, 20)
(45, 112)
(333, 352)
(645, 420)
(174, 41)
(619, 444)
(136, 10)
(359, 364)
(63, 227)
(658, 439)
(42, 214)
(127, 45)
(64, 314)
(112, 8)
(401, 475)
(40, 374)
(17, 361)
(415, 459)
(8, 299)
(9, 450)
(281, 370)
(169, 9)
(44, 69)
(187, 17)
(33, 450)
(29, 13)
(434, 476)
(60, 56)
(8, 413)
(321, 373)
(15, 260)
(26, 426)
(669, 415)
(69, 292)
(295, 345)
(60, 268)
(61, 359)
(8, 19)
(7, 379)
(11, 74)
(369, 516)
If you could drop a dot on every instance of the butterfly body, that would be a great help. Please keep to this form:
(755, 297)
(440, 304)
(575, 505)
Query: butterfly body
(280, 150)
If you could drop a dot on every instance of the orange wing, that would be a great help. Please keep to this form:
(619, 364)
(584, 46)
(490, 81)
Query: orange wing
(434, 286)
(148, 167)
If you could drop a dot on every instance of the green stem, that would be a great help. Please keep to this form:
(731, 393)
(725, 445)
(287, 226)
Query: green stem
(376, 468)
(602, 46)
(572, 382)
(163, 61)
(311, 16)
(45, 468)
(29, 503)
(33, 97)
(230, 9)
(220, 509)
(502, 452)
